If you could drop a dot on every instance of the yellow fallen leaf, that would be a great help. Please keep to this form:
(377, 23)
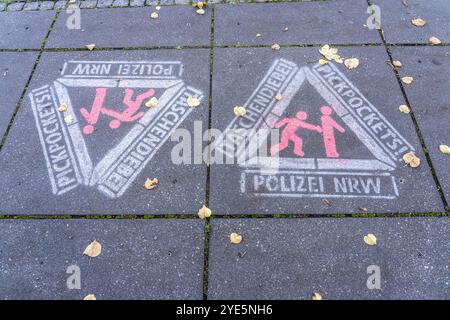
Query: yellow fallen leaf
(153, 102)
(200, 12)
(411, 159)
(404, 108)
(351, 63)
(199, 4)
(68, 119)
(151, 183)
(192, 102)
(407, 80)
(154, 15)
(418, 22)
(63, 107)
(316, 296)
(444, 149)
(239, 111)
(370, 239)
(276, 47)
(90, 46)
(204, 212)
(397, 64)
(235, 238)
(93, 249)
(323, 61)
(90, 297)
(434, 40)
(278, 97)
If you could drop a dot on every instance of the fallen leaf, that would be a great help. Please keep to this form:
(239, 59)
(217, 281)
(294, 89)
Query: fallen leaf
(151, 183)
(316, 296)
(153, 102)
(351, 63)
(154, 15)
(72, 1)
(235, 238)
(411, 159)
(370, 239)
(199, 4)
(330, 53)
(258, 35)
(434, 40)
(192, 102)
(204, 212)
(278, 97)
(90, 46)
(363, 209)
(444, 149)
(63, 107)
(276, 47)
(397, 64)
(404, 108)
(407, 80)
(90, 297)
(286, 29)
(239, 111)
(158, 8)
(93, 249)
(419, 22)
(200, 12)
(68, 119)
(323, 61)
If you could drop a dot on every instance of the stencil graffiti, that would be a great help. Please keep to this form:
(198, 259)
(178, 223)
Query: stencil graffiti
(65, 149)
(334, 171)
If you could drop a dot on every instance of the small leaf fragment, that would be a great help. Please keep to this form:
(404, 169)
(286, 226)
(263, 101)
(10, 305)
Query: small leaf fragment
(204, 212)
(151, 183)
(316, 296)
(323, 61)
(407, 80)
(258, 35)
(351, 63)
(68, 119)
(192, 102)
(235, 238)
(90, 297)
(154, 15)
(239, 111)
(153, 102)
(419, 22)
(90, 46)
(285, 29)
(397, 64)
(276, 47)
(370, 239)
(63, 107)
(200, 11)
(404, 108)
(278, 97)
(411, 159)
(93, 249)
(444, 149)
(434, 41)
(158, 8)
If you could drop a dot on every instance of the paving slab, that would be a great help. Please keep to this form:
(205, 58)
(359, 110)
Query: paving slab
(357, 169)
(176, 26)
(317, 22)
(25, 29)
(396, 20)
(140, 259)
(95, 157)
(15, 69)
(428, 96)
(293, 258)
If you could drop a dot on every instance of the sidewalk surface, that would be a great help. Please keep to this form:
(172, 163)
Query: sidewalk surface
(77, 144)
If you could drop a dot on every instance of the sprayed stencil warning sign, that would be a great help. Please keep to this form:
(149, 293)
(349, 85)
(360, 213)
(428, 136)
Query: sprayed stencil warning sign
(332, 141)
(117, 92)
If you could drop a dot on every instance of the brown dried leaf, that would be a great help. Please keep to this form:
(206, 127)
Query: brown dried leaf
(239, 111)
(151, 183)
(419, 22)
(370, 239)
(397, 64)
(235, 238)
(278, 97)
(204, 212)
(411, 159)
(93, 249)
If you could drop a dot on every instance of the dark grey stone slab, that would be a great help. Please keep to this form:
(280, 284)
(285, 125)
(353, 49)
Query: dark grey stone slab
(140, 259)
(293, 258)
(83, 188)
(25, 29)
(396, 20)
(175, 26)
(428, 95)
(315, 22)
(15, 68)
(369, 172)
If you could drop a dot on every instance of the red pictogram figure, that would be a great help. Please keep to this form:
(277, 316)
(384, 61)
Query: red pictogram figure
(289, 133)
(130, 114)
(328, 127)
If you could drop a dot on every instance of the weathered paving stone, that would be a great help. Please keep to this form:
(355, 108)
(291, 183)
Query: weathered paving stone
(15, 6)
(47, 5)
(115, 143)
(174, 27)
(428, 96)
(2, 6)
(307, 22)
(137, 3)
(361, 171)
(104, 3)
(120, 3)
(396, 20)
(60, 4)
(31, 6)
(140, 259)
(293, 258)
(88, 4)
(15, 68)
(25, 29)
(151, 2)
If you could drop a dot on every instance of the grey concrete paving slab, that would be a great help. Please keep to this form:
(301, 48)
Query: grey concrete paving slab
(293, 258)
(316, 22)
(428, 96)
(140, 259)
(25, 29)
(15, 69)
(358, 168)
(94, 157)
(176, 26)
(396, 20)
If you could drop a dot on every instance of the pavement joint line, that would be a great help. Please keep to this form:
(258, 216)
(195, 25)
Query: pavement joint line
(19, 103)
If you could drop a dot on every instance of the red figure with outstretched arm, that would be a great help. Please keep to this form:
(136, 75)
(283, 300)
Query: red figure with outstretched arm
(289, 133)
(328, 127)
